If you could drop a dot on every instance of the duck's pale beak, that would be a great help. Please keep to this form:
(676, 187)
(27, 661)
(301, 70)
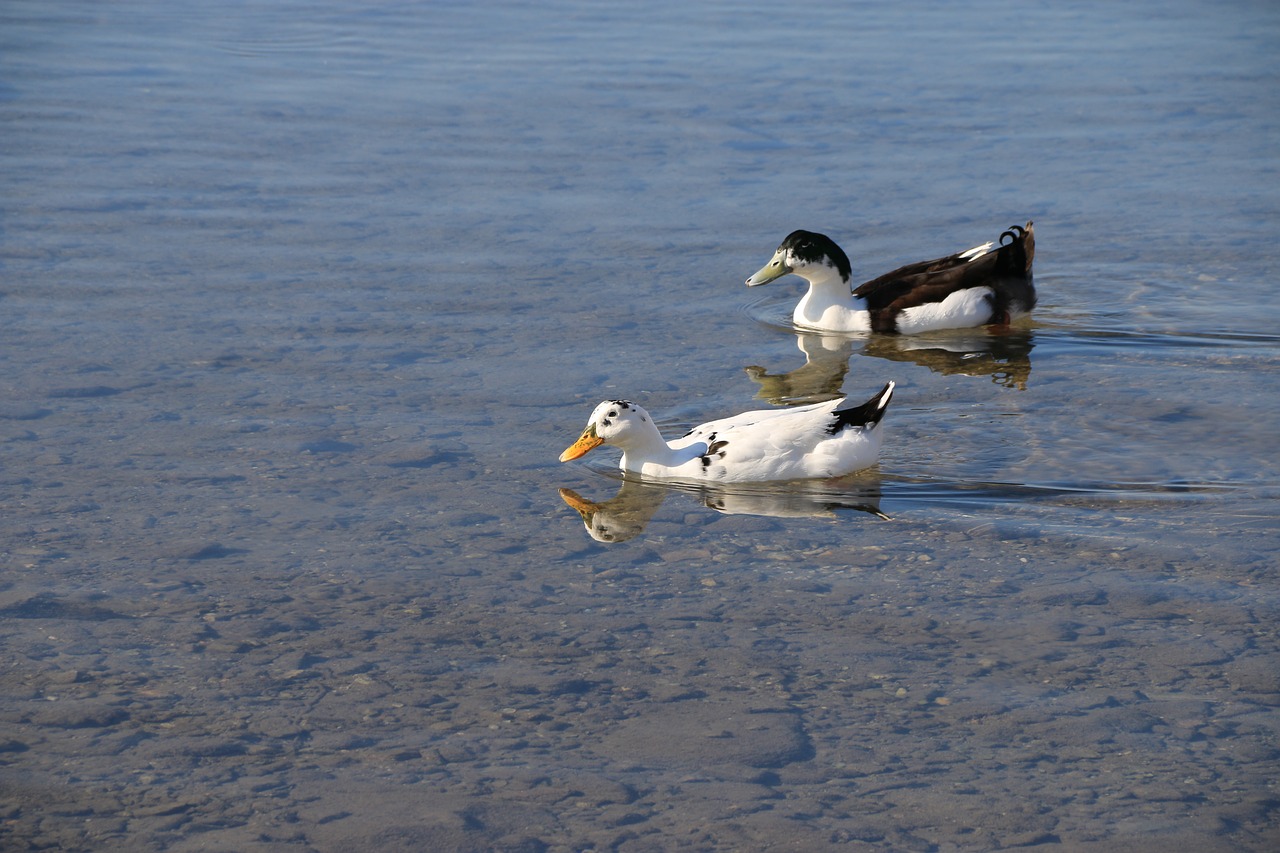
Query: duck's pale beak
(585, 444)
(775, 269)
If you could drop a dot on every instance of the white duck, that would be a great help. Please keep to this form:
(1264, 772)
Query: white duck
(983, 285)
(820, 440)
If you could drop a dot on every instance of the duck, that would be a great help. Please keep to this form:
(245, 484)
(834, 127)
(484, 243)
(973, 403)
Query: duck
(989, 284)
(828, 439)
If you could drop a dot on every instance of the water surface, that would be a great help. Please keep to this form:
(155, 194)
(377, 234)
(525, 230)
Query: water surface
(301, 302)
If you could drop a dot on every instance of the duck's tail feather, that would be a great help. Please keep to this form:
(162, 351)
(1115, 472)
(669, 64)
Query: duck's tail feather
(866, 415)
(1015, 257)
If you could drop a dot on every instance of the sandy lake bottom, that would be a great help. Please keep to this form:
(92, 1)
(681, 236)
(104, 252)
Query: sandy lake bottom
(298, 313)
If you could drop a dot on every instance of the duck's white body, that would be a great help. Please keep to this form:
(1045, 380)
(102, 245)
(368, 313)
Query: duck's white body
(982, 285)
(820, 440)
(831, 307)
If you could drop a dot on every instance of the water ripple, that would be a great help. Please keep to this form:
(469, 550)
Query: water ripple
(1136, 338)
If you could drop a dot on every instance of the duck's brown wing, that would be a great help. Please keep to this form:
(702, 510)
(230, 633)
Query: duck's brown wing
(932, 281)
(941, 275)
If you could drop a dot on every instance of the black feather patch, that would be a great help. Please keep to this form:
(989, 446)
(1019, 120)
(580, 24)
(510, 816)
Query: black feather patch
(869, 413)
(624, 405)
(716, 449)
(813, 247)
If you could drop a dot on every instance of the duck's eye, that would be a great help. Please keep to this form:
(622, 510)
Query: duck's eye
(613, 414)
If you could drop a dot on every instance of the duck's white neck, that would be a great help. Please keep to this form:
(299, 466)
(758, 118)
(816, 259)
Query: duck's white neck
(827, 301)
(645, 446)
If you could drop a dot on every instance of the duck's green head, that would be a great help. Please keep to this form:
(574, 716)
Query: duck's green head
(800, 252)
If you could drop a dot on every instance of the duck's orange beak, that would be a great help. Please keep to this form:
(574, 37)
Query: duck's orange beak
(585, 444)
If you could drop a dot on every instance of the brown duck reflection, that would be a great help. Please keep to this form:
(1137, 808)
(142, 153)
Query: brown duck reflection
(1004, 355)
(625, 515)
(826, 361)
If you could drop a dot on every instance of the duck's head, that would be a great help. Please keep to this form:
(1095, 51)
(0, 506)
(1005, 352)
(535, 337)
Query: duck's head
(613, 422)
(807, 254)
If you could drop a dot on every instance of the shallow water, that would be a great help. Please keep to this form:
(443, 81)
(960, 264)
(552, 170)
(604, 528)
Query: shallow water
(302, 301)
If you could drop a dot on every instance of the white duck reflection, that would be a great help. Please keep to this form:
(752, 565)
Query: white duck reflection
(626, 514)
(622, 517)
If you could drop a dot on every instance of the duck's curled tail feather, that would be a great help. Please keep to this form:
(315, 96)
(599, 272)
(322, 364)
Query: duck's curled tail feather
(1018, 254)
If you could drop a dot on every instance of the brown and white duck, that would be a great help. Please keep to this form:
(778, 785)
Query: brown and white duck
(988, 284)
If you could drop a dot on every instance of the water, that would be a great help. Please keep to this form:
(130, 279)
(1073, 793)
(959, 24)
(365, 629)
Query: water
(302, 301)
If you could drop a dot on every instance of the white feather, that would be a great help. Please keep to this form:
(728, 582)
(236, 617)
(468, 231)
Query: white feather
(976, 252)
(962, 309)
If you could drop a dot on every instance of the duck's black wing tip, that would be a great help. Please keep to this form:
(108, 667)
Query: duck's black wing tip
(866, 415)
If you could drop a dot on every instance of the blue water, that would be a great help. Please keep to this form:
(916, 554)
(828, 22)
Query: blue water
(302, 301)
